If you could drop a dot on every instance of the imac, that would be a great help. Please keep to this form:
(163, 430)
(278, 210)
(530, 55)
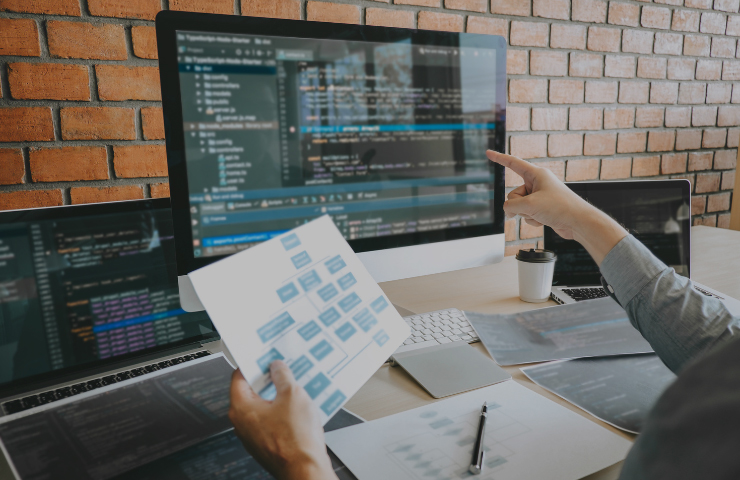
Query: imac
(272, 123)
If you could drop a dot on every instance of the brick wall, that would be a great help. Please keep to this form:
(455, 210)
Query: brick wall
(597, 90)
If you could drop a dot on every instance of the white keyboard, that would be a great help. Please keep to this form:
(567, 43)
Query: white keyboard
(436, 328)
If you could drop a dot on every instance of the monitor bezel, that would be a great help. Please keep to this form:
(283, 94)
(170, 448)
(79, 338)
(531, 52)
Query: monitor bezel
(168, 22)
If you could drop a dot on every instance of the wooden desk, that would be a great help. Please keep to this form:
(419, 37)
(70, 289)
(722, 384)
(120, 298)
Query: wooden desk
(494, 289)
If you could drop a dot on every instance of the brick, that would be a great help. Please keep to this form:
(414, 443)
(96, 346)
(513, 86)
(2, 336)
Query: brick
(68, 164)
(581, 170)
(714, 138)
(637, 41)
(510, 7)
(646, 166)
(705, 4)
(728, 116)
(585, 64)
(510, 250)
(119, 82)
(43, 7)
(646, 117)
(656, 17)
(687, 139)
(625, 14)
(480, 6)
(707, 182)
(12, 168)
(557, 9)
(84, 40)
(733, 137)
(719, 93)
(516, 62)
(681, 68)
(667, 2)
(685, 21)
(441, 21)
(710, 69)
(591, 11)
(723, 221)
(730, 71)
(145, 42)
(529, 34)
(26, 124)
(98, 123)
(420, 3)
(673, 163)
(692, 92)
(696, 45)
(713, 23)
(527, 91)
(727, 5)
(601, 92)
(633, 92)
(517, 119)
(223, 7)
(510, 229)
(652, 67)
(728, 180)
(552, 64)
(527, 231)
(706, 221)
(600, 144)
(718, 203)
(529, 146)
(661, 141)
(567, 36)
(549, 118)
(142, 9)
(586, 118)
(678, 117)
(631, 142)
(723, 47)
(135, 161)
(30, 199)
(725, 159)
(338, 13)
(19, 37)
(619, 117)
(733, 26)
(105, 194)
(616, 168)
(668, 43)
(511, 178)
(48, 81)
(489, 26)
(290, 9)
(159, 190)
(622, 66)
(704, 116)
(557, 167)
(700, 161)
(603, 39)
(663, 92)
(566, 91)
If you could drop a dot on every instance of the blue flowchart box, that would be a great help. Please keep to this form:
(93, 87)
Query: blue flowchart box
(335, 264)
(301, 260)
(309, 280)
(381, 337)
(365, 320)
(275, 327)
(291, 241)
(309, 330)
(327, 292)
(321, 350)
(345, 331)
(269, 392)
(317, 385)
(330, 316)
(287, 292)
(333, 402)
(346, 281)
(379, 304)
(349, 302)
(265, 360)
(301, 366)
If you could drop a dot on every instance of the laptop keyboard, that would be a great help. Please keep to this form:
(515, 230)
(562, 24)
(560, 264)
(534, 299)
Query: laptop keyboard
(436, 328)
(31, 401)
(579, 294)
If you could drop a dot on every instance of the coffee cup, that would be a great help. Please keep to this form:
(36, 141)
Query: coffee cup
(536, 267)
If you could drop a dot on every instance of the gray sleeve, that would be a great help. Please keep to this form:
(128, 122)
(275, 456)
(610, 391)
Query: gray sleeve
(678, 322)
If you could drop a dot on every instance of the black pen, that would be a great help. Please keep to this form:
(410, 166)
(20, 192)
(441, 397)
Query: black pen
(476, 464)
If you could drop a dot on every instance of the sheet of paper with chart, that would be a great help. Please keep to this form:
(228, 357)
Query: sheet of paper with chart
(303, 297)
(527, 436)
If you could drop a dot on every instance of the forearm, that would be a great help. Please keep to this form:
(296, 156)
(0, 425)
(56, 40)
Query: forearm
(596, 231)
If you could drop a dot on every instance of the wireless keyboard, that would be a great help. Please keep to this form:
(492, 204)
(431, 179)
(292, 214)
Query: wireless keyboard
(437, 328)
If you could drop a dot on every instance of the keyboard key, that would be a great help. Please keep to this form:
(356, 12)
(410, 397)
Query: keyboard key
(408, 341)
(110, 379)
(447, 333)
(418, 340)
(12, 407)
(123, 376)
(467, 338)
(438, 335)
(78, 388)
(93, 384)
(444, 340)
(63, 392)
(47, 397)
(428, 337)
(30, 402)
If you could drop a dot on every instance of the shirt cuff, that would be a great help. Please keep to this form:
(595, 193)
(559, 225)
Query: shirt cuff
(628, 267)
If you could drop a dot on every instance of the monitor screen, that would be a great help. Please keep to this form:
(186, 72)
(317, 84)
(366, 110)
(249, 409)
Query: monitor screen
(82, 286)
(657, 213)
(388, 138)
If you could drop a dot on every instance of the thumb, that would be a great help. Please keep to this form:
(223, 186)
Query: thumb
(281, 376)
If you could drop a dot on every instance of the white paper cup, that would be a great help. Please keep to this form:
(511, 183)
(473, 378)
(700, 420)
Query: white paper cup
(536, 267)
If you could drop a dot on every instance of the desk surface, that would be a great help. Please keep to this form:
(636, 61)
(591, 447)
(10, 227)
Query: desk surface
(494, 289)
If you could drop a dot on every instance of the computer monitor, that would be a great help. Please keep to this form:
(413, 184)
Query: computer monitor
(271, 123)
(85, 287)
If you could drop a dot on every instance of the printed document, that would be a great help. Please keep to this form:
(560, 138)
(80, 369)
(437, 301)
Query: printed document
(305, 298)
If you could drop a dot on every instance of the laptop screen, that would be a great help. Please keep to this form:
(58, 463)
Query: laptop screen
(85, 285)
(656, 212)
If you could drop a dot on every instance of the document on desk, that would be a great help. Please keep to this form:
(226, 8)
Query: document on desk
(592, 328)
(303, 297)
(617, 390)
(527, 436)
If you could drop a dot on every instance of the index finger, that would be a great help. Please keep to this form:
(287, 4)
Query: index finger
(519, 166)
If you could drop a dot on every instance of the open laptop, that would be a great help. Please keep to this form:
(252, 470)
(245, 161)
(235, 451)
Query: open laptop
(656, 212)
(89, 297)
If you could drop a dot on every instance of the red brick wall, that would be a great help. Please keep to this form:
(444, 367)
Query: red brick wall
(598, 90)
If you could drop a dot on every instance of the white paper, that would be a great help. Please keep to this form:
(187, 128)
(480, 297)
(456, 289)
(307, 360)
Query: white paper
(527, 436)
(303, 297)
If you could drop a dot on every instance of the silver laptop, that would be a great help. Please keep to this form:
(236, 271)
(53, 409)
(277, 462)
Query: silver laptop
(89, 297)
(656, 212)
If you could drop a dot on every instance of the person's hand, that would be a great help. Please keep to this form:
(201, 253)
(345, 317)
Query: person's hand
(284, 435)
(545, 200)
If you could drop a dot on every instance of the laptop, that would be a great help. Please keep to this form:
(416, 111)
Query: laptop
(656, 212)
(89, 297)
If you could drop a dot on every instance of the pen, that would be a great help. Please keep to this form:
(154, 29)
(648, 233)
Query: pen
(476, 464)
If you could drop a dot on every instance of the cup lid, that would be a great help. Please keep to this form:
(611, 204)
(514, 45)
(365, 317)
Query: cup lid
(536, 255)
